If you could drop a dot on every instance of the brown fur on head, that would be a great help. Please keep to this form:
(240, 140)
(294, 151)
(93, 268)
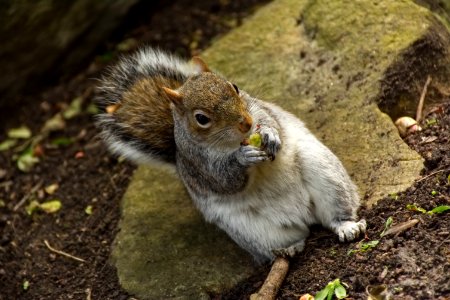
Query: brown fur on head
(211, 106)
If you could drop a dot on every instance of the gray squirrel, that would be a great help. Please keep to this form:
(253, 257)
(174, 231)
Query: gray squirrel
(158, 108)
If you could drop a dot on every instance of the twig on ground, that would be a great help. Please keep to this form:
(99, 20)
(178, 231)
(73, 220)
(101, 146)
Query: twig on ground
(431, 174)
(273, 281)
(62, 253)
(27, 196)
(399, 228)
(422, 100)
(88, 294)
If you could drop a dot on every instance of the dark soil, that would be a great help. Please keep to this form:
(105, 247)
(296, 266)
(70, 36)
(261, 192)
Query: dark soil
(83, 169)
(414, 264)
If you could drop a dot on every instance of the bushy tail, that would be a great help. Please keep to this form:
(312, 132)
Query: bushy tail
(136, 120)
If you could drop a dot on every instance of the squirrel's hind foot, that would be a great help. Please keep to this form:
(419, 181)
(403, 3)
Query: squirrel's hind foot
(349, 230)
(290, 251)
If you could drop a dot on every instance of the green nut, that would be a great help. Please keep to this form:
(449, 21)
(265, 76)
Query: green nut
(255, 140)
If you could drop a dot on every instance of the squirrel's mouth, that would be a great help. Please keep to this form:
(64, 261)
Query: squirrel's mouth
(246, 124)
(233, 140)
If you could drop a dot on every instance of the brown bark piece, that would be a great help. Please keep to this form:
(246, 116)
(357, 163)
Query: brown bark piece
(273, 281)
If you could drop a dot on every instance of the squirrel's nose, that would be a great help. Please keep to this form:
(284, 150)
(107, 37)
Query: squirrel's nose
(246, 124)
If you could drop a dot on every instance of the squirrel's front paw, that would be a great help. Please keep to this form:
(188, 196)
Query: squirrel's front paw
(250, 155)
(271, 142)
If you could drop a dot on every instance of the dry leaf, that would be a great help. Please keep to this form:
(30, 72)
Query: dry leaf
(54, 124)
(428, 139)
(7, 144)
(88, 210)
(399, 228)
(51, 206)
(74, 108)
(51, 189)
(22, 132)
(26, 161)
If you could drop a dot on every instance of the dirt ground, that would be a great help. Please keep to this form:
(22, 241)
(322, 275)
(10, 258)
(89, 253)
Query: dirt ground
(414, 264)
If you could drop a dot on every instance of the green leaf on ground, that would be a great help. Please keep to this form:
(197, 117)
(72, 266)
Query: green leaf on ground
(439, 209)
(340, 292)
(7, 144)
(26, 161)
(62, 141)
(51, 206)
(2, 203)
(54, 124)
(387, 225)
(32, 207)
(88, 210)
(436, 210)
(22, 132)
(333, 288)
(368, 246)
(431, 121)
(74, 108)
(51, 189)
(322, 294)
(92, 109)
(26, 285)
(414, 207)
(364, 247)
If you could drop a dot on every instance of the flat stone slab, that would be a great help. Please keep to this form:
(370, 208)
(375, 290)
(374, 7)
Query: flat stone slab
(165, 249)
(327, 71)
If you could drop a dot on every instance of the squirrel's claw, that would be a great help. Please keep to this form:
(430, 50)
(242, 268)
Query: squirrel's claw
(249, 155)
(349, 230)
(271, 142)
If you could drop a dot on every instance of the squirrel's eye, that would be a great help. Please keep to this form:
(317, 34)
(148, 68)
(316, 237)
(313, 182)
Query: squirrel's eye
(236, 88)
(202, 120)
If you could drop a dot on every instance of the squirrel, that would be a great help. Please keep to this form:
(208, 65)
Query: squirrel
(158, 108)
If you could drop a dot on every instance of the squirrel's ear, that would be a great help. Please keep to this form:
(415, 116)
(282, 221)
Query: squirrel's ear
(201, 64)
(173, 95)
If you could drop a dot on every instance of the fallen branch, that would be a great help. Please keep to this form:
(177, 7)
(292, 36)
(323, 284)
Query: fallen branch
(399, 228)
(422, 100)
(273, 281)
(62, 253)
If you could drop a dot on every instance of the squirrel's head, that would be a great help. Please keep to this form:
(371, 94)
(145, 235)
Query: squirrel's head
(212, 108)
